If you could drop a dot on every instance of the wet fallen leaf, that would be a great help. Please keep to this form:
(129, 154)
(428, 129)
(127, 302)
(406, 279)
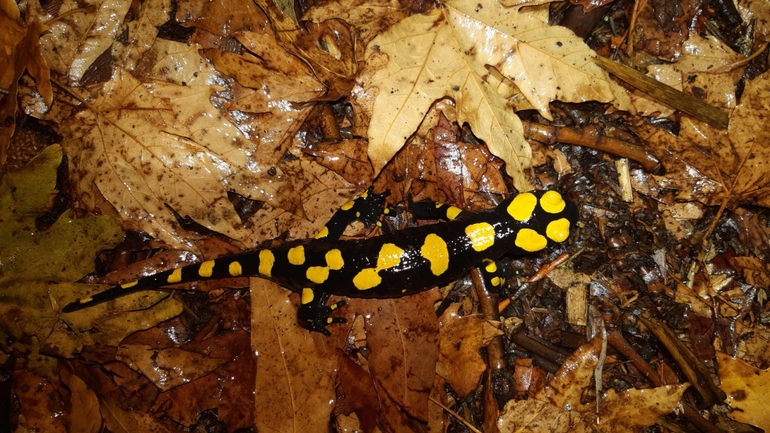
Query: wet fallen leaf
(461, 341)
(747, 389)
(709, 165)
(84, 405)
(36, 274)
(19, 51)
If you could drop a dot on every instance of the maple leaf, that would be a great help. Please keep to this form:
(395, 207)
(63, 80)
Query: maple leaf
(474, 52)
(148, 145)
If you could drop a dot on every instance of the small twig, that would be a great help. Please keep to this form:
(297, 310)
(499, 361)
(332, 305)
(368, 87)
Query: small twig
(590, 137)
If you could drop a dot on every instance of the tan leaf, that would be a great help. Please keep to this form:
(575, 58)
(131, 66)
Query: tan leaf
(566, 387)
(295, 379)
(466, 51)
(147, 146)
(84, 406)
(747, 389)
(635, 409)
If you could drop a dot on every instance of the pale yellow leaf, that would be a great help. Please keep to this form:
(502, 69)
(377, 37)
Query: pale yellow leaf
(469, 51)
(635, 409)
(747, 389)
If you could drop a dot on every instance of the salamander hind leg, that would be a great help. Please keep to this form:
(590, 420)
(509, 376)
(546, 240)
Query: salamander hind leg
(314, 314)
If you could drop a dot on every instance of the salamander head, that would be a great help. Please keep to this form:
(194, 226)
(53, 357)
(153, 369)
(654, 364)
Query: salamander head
(541, 217)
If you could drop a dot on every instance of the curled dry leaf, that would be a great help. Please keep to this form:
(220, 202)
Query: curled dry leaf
(470, 51)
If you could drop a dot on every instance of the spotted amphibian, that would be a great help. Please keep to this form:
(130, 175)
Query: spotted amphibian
(391, 265)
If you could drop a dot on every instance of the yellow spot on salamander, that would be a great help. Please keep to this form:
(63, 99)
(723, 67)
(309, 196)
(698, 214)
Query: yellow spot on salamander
(307, 296)
(552, 202)
(129, 285)
(482, 235)
(296, 255)
(435, 251)
(491, 266)
(334, 259)
(453, 212)
(317, 274)
(266, 261)
(323, 233)
(522, 206)
(364, 194)
(366, 279)
(85, 300)
(388, 257)
(235, 269)
(347, 206)
(558, 230)
(206, 269)
(175, 277)
(530, 240)
(496, 281)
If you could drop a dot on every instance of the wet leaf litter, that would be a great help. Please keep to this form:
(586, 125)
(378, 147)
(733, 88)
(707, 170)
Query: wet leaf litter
(191, 131)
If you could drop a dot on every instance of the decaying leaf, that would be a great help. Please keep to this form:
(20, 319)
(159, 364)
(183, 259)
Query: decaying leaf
(709, 165)
(468, 51)
(461, 341)
(36, 272)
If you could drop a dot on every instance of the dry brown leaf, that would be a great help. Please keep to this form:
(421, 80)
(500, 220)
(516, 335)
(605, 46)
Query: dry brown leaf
(747, 389)
(451, 52)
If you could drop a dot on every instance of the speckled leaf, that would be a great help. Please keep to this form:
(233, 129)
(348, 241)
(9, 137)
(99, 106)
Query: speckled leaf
(633, 410)
(147, 146)
(471, 51)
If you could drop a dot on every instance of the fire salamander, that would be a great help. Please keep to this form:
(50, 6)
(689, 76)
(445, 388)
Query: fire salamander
(394, 264)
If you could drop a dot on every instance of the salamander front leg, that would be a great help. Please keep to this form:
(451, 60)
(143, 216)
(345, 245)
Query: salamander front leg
(314, 314)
